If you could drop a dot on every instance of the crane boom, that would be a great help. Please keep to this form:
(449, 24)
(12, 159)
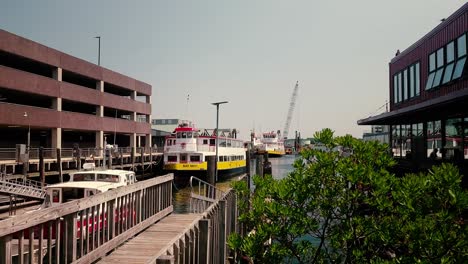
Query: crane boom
(290, 111)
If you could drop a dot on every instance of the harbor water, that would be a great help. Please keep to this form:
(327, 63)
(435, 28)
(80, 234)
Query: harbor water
(280, 167)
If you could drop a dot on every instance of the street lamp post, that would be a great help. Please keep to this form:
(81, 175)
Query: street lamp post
(99, 50)
(26, 163)
(217, 135)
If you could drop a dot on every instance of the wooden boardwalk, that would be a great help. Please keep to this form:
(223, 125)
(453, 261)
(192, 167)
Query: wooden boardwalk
(155, 241)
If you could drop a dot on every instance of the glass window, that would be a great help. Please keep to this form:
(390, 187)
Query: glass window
(448, 73)
(205, 142)
(417, 79)
(440, 57)
(432, 62)
(411, 81)
(172, 158)
(461, 46)
(395, 89)
(194, 158)
(434, 140)
(453, 137)
(212, 142)
(430, 80)
(400, 92)
(450, 51)
(405, 84)
(459, 68)
(438, 77)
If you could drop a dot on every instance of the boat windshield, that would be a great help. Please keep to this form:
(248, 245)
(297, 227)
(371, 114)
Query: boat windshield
(107, 178)
(84, 177)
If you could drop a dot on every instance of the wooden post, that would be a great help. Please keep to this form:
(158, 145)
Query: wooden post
(222, 231)
(151, 160)
(41, 166)
(211, 174)
(142, 157)
(211, 167)
(166, 259)
(132, 157)
(109, 158)
(204, 241)
(5, 249)
(78, 159)
(59, 164)
(71, 230)
(260, 165)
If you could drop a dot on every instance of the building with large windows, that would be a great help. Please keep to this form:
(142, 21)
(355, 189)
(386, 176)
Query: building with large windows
(428, 91)
(59, 101)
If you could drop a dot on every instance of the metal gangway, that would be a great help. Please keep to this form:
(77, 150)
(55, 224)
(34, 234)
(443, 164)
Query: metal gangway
(22, 188)
(203, 194)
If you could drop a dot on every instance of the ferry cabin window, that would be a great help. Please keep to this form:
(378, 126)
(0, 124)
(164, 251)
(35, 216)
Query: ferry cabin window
(212, 142)
(183, 158)
(69, 194)
(195, 158)
(205, 142)
(172, 158)
(189, 134)
(169, 142)
(84, 177)
(107, 178)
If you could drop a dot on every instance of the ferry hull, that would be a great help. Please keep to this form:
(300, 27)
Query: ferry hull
(223, 165)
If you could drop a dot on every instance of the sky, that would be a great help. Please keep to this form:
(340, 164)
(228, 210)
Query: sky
(247, 52)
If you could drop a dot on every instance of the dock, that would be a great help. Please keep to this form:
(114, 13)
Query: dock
(131, 224)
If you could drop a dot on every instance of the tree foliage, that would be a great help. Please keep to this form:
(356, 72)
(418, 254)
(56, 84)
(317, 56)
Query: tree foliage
(341, 204)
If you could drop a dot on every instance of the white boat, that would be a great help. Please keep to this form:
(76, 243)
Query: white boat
(187, 149)
(271, 143)
(86, 183)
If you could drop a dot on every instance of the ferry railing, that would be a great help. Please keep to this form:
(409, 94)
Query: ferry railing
(91, 152)
(83, 230)
(125, 150)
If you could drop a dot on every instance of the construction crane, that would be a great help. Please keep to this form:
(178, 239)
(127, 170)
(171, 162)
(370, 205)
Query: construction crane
(290, 111)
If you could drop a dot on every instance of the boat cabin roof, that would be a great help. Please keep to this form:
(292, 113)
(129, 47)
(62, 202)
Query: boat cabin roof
(97, 185)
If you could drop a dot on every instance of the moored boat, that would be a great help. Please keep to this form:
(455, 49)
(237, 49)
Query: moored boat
(272, 144)
(187, 149)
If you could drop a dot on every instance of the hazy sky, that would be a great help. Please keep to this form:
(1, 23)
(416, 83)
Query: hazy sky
(248, 52)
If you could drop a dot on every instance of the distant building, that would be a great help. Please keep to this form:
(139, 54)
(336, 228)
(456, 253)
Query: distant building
(378, 133)
(428, 91)
(65, 101)
(167, 125)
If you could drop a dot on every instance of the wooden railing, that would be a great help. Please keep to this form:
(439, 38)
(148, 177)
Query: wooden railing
(84, 230)
(205, 241)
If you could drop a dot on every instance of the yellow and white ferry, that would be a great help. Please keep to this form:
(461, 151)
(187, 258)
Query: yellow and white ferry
(272, 144)
(187, 149)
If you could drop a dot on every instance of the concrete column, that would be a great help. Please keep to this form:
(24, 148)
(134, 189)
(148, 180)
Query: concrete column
(133, 141)
(57, 137)
(148, 99)
(148, 140)
(100, 108)
(57, 74)
(138, 141)
(100, 86)
(99, 139)
(133, 95)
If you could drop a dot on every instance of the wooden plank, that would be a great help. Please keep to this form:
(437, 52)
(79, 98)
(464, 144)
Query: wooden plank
(113, 243)
(165, 260)
(25, 221)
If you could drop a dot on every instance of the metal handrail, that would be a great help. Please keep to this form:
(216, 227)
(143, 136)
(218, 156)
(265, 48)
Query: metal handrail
(203, 194)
